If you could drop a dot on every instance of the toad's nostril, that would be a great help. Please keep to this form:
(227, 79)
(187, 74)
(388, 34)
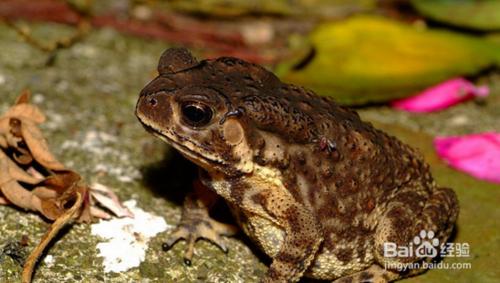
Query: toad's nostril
(153, 102)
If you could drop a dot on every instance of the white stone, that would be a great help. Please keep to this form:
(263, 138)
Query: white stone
(126, 239)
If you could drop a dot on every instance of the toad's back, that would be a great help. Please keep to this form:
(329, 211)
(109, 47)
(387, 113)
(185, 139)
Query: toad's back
(340, 167)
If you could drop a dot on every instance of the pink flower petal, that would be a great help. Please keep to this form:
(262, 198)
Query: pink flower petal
(441, 96)
(477, 154)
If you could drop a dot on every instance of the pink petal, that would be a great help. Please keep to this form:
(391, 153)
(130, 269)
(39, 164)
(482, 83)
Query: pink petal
(477, 154)
(441, 96)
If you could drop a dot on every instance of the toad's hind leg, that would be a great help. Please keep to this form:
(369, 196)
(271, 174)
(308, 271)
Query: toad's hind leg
(407, 215)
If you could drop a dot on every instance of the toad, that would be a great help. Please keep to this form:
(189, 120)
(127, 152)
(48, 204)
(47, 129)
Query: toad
(318, 190)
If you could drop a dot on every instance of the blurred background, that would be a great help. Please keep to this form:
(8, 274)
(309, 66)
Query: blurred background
(425, 71)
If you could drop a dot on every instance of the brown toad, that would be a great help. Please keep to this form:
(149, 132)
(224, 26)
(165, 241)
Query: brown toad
(316, 188)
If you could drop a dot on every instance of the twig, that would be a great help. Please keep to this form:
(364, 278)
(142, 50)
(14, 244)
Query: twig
(82, 29)
(60, 222)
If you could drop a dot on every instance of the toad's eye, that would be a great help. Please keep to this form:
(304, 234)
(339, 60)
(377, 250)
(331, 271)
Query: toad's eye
(196, 114)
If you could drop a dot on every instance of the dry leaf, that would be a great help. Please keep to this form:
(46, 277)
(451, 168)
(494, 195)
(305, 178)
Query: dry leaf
(3, 201)
(15, 127)
(24, 97)
(51, 209)
(4, 171)
(24, 140)
(44, 193)
(21, 175)
(17, 173)
(38, 146)
(14, 192)
(23, 157)
(26, 112)
(3, 142)
(62, 180)
(108, 199)
(33, 172)
(4, 125)
(86, 215)
(12, 140)
(23, 110)
(61, 196)
(64, 184)
(21, 197)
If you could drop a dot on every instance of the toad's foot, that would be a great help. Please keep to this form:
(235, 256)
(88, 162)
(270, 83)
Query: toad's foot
(196, 224)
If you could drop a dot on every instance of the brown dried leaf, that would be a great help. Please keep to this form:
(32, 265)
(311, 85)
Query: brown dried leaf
(23, 156)
(12, 141)
(24, 97)
(25, 112)
(61, 181)
(33, 172)
(52, 205)
(58, 190)
(66, 184)
(4, 169)
(15, 127)
(38, 146)
(44, 193)
(16, 173)
(20, 197)
(109, 200)
(85, 214)
(21, 175)
(69, 196)
(4, 125)
(3, 142)
(51, 208)
(18, 130)
(14, 192)
(3, 201)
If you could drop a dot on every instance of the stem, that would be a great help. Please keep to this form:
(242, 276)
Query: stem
(60, 222)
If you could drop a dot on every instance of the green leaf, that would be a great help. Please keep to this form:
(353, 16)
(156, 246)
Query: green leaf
(473, 14)
(372, 59)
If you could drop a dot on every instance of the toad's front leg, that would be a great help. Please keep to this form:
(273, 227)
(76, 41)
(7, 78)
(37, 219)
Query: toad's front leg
(302, 239)
(196, 223)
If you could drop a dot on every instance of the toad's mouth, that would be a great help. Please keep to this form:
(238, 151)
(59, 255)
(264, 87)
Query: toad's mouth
(209, 163)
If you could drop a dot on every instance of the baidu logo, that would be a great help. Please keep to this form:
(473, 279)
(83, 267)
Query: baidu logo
(425, 244)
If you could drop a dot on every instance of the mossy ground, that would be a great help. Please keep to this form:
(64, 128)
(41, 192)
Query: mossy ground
(89, 92)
